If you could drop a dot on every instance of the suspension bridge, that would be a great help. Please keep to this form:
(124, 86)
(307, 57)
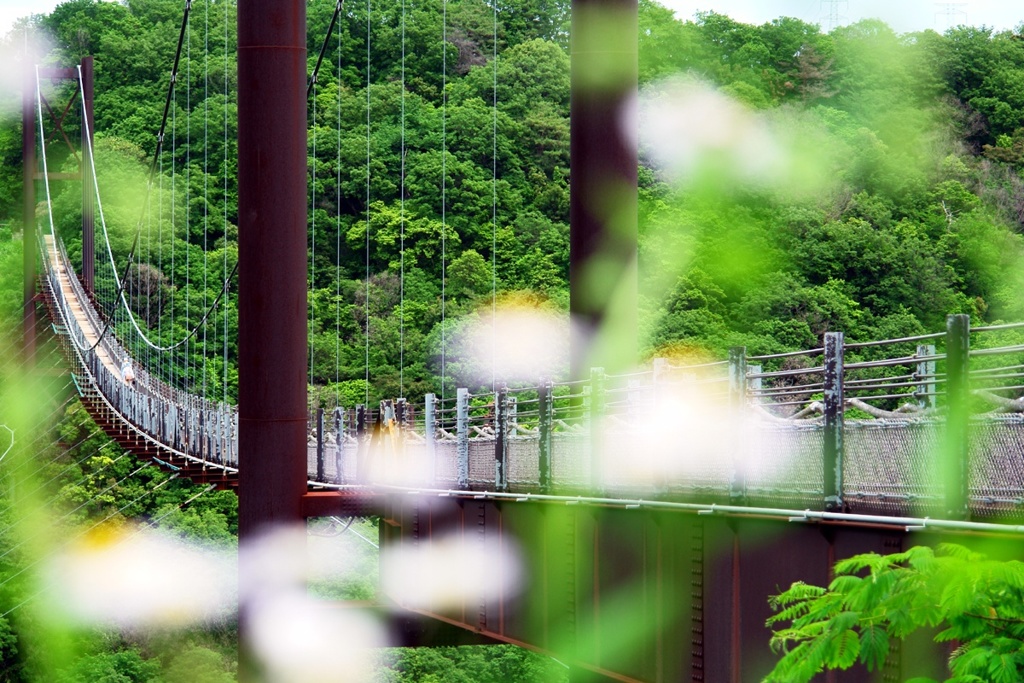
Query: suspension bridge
(749, 434)
(658, 486)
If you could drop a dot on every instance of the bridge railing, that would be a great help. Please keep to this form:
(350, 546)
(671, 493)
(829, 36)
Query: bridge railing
(847, 426)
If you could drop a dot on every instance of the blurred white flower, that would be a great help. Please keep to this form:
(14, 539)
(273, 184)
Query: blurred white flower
(519, 343)
(298, 638)
(687, 126)
(683, 435)
(18, 57)
(273, 561)
(450, 571)
(128, 578)
(391, 461)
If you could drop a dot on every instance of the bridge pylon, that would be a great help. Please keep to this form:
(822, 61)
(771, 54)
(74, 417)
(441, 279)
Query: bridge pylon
(82, 75)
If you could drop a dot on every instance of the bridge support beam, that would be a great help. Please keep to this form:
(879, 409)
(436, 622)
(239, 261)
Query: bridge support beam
(28, 213)
(603, 182)
(88, 201)
(430, 433)
(649, 595)
(272, 262)
(271, 278)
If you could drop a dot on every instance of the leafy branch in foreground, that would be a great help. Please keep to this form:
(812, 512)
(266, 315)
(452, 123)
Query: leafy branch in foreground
(977, 602)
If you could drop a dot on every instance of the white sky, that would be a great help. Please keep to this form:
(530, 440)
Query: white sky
(902, 15)
(12, 10)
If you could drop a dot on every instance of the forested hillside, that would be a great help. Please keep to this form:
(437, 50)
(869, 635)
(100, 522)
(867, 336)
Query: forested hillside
(910, 204)
(905, 204)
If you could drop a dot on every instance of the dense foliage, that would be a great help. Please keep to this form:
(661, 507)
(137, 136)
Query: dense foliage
(496, 664)
(877, 600)
(439, 177)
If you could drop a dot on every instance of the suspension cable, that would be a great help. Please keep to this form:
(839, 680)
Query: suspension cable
(337, 247)
(120, 282)
(494, 202)
(444, 183)
(186, 353)
(312, 233)
(366, 303)
(227, 6)
(49, 209)
(206, 171)
(323, 48)
(171, 366)
(81, 505)
(401, 229)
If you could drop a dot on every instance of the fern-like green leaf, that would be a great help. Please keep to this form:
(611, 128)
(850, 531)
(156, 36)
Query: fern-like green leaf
(856, 563)
(790, 613)
(874, 647)
(974, 661)
(959, 552)
(959, 596)
(844, 650)
(974, 601)
(1003, 669)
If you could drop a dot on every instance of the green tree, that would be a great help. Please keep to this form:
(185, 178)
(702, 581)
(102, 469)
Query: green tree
(875, 600)
(122, 666)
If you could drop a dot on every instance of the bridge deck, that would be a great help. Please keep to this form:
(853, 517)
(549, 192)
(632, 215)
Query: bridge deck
(85, 322)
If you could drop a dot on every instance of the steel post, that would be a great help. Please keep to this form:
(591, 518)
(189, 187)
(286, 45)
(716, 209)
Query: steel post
(925, 374)
(430, 434)
(957, 442)
(501, 439)
(339, 448)
(597, 423)
(88, 190)
(362, 444)
(545, 406)
(272, 257)
(659, 371)
(737, 406)
(401, 413)
(462, 434)
(832, 464)
(320, 444)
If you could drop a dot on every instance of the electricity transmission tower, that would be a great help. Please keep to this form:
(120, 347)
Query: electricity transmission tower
(952, 13)
(834, 17)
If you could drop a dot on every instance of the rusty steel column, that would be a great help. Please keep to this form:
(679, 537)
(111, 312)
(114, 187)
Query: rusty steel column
(603, 184)
(832, 455)
(957, 447)
(88, 191)
(272, 262)
(28, 212)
